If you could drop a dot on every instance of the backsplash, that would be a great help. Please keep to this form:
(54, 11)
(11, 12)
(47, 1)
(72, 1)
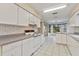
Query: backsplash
(10, 29)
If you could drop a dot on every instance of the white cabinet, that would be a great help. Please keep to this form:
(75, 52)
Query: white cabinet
(64, 38)
(13, 14)
(77, 18)
(31, 45)
(27, 47)
(38, 22)
(74, 20)
(73, 46)
(13, 49)
(61, 38)
(74, 51)
(34, 20)
(72, 42)
(8, 13)
(23, 17)
(0, 51)
(58, 38)
(13, 52)
(31, 19)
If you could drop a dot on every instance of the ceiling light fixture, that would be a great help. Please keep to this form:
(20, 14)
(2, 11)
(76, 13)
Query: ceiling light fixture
(60, 7)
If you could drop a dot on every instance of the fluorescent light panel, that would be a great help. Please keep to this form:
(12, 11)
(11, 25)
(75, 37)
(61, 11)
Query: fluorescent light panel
(55, 8)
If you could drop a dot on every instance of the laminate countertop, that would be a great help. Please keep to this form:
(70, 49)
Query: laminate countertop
(13, 38)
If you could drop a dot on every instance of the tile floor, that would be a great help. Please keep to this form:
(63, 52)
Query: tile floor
(50, 48)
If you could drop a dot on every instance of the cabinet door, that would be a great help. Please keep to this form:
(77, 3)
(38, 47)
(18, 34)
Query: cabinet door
(73, 46)
(38, 22)
(64, 38)
(0, 51)
(37, 42)
(61, 38)
(13, 52)
(72, 21)
(35, 20)
(77, 19)
(8, 13)
(58, 38)
(72, 42)
(31, 45)
(22, 17)
(12, 47)
(31, 19)
(27, 47)
(74, 51)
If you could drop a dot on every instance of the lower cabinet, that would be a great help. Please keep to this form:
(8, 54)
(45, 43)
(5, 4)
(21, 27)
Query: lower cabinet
(25, 47)
(31, 45)
(58, 38)
(74, 50)
(64, 38)
(13, 49)
(73, 46)
(0, 51)
(61, 38)
(13, 52)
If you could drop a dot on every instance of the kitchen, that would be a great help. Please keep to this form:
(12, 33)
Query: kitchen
(34, 29)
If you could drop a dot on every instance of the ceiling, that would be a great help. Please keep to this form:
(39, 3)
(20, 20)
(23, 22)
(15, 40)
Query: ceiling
(50, 17)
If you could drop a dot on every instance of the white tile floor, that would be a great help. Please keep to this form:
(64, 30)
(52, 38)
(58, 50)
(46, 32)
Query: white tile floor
(50, 48)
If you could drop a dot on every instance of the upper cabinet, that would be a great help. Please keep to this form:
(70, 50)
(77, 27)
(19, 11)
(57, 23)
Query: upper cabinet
(8, 13)
(77, 18)
(23, 17)
(34, 20)
(16, 15)
(74, 21)
(31, 19)
(38, 22)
